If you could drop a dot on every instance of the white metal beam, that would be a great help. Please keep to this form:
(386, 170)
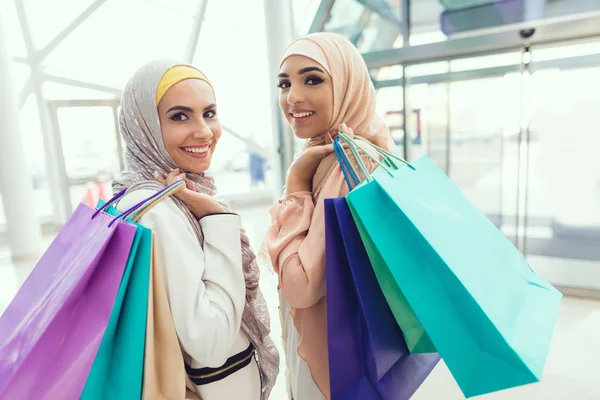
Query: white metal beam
(43, 53)
(22, 60)
(495, 40)
(85, 85)
(195, 34)
(50, 146)
(25, 92)
(25, 28)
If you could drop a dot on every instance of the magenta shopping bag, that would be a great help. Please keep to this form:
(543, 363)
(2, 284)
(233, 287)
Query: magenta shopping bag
(51, 331)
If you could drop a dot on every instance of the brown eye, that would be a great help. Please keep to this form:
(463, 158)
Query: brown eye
(179, 117)
(313, 80)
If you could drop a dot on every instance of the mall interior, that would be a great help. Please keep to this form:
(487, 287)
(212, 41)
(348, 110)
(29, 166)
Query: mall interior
(503, 95)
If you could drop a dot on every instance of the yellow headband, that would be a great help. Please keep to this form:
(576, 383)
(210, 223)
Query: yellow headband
(175, 75)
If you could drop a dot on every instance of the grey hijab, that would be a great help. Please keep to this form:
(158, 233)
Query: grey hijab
(145, 153)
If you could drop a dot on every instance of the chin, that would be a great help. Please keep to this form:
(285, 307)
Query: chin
(197, 167)
(304, 133)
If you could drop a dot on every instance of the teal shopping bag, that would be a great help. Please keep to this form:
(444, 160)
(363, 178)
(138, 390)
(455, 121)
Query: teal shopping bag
(489, 315)
(119, 364)
(417, 340)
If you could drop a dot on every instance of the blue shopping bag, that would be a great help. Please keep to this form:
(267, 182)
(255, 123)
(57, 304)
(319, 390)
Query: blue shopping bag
(368, 356)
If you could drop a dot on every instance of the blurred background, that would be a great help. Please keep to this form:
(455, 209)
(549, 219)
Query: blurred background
(501, 94)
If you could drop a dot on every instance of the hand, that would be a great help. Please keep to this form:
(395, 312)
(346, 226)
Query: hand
(302, 170)
(343, 128)
(199, 204)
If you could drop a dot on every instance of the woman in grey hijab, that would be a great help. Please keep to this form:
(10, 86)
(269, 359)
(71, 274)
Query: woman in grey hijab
(170, 127)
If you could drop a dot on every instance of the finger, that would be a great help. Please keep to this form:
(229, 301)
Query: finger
(172, 176)
(160, 178)
(326, 150)
(350, 132)
(190, 186)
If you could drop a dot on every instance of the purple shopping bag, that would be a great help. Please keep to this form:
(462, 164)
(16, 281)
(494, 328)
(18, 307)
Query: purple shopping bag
(368, 356)
(51, 331)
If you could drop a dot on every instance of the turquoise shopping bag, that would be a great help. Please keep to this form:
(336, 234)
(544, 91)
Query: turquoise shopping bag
(119, 364)
(417, 340)
(489, 315)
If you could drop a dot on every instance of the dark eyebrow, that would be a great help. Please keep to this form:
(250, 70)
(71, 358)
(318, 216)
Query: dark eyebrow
(180, 108)
(302, 72)
(310, 69)
(188, 109)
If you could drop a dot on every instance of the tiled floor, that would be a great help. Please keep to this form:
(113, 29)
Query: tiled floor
(572, 370)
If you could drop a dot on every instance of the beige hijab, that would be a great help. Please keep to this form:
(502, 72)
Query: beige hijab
(353, 94)
(353, 105)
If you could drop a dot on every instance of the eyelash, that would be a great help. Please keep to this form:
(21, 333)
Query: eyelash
(176, 118)
(313, 78)
(286, 84)
(207, 114)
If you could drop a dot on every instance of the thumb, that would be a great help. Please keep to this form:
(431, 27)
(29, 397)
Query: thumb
(326, 150)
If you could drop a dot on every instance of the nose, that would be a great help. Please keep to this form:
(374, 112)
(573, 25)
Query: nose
(202, 131)
(295, 95)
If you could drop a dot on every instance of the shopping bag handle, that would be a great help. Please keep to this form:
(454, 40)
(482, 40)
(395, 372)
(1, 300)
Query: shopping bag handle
(110, 202)
(347, 168)
(145, 205)
(169, 191)
(387, 162)
(388, 157)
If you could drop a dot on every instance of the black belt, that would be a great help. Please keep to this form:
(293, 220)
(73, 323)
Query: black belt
(203, 376)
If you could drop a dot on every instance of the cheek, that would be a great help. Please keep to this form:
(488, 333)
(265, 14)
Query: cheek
(169, 135)
(328, 104)
(216, 131)
(283, 104)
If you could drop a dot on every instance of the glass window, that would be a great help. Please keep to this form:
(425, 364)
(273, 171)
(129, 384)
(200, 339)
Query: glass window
(434, 20)
(389, 107)
(425, 22)
(370, 25)
(244, 156)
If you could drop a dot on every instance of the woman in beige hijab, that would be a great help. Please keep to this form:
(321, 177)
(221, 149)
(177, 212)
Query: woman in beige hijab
(325, 87)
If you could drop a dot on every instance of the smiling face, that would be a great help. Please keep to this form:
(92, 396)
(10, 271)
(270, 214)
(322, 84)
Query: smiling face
(189, 124)
(306, 96)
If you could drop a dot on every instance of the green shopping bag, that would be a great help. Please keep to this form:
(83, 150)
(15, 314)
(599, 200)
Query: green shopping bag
(415, 336)
(417, 340)
(119, 364)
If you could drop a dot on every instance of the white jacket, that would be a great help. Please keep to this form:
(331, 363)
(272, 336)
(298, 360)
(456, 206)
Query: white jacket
(206, 291)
